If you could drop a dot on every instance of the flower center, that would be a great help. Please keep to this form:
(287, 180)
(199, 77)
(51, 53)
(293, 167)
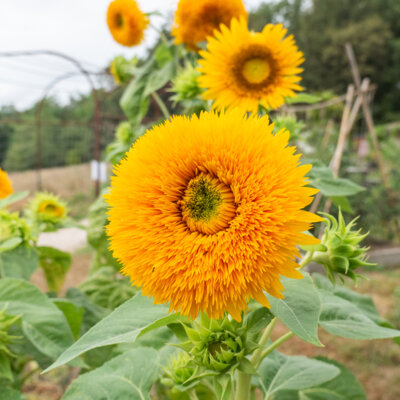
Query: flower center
(119, 21)
(256, 70)
(207, 205)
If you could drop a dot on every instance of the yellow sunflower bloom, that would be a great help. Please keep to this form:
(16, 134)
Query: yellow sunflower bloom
(5, 185)
(242, 68)
(205, 212)
(195, 20)
(47, 208)
(126, 22)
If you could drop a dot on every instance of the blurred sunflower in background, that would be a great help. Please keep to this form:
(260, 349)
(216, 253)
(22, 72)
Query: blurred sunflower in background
(241, 68)
(126, 22)
(5, 185)
(47, 208)
(195, 20)
(206, 212)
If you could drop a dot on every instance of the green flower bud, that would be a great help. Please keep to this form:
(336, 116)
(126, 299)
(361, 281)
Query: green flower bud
(5, 339)
(217, 345)
(47, 210)
(13, 230)
(122, 69)
(290, 124)
(124, 133)
(181, 371)
(340, 252)
(184, 85)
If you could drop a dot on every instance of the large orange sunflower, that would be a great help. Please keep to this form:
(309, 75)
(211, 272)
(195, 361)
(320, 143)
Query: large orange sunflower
(242, 68)
(205, 212)
(126, 22)
(5, 185)
(195, 20)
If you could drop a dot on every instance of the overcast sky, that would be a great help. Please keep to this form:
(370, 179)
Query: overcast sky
(75, 27)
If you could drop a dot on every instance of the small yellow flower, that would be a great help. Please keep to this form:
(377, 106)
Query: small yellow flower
(126, 22)
(196, 19)
(206, 212)
(47, 208)
(242, 68)
(5, 185)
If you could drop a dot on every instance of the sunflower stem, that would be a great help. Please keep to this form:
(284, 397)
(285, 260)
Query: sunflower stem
(306, 259)
(192, 395)
(161, 104)
(256, 358)
(276, 344)
(243, 386)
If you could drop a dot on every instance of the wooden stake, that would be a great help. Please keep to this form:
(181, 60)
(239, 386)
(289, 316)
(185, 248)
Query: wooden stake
(369, 120)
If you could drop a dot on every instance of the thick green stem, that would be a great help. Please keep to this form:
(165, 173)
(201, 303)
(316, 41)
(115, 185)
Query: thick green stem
(276, 344)
(306, 259)
(243, 386)
(192, 395)
(161, 104)
(256, 358)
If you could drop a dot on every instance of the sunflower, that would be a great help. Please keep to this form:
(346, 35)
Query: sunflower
(5, 185)
(195, 20)
(205, 212)
(242, 68)
(47, 208)
(126, 22)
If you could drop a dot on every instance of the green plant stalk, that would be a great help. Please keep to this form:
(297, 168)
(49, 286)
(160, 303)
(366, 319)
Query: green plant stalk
(161, 104)
(243, 386)
(192, 395)
(306, 259)
(276, 344)
(256, 358)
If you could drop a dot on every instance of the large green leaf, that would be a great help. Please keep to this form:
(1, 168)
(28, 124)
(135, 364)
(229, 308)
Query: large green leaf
(7, 393)
(73, 313)
(300, 309)
(322, 178)
(344, 386)
(20, 262)
(159, 78)
(55, 264)
(126, 377)
(132, 319)
(346, 319)
(279, 373)
(5, 367)
(43, 323)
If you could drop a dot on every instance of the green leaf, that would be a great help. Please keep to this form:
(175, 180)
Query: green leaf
(256, 320)
(10, 244)
(342, 202)
(5, 367)
(223, 386)
(159, 78)
(73, 313)
(13, 198)
(133, 102)
(132, 319)
(346, 319)
(363, 301)
(42, 322)
(300, 309)
(344, 386)
(20, 262)
(92, 313)
(7, 393)
(126, 377)
(278, 373)
(304, 98)
(55, 264)
(322, 178)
